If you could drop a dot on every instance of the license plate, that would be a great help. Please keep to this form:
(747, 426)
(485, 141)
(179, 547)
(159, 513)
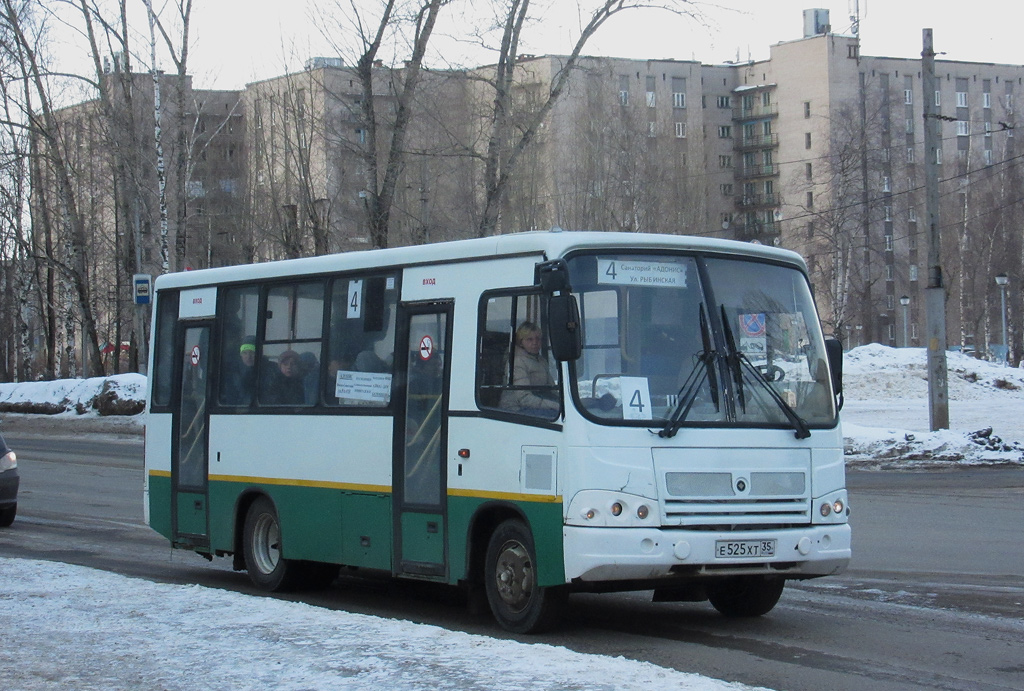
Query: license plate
(739, 549)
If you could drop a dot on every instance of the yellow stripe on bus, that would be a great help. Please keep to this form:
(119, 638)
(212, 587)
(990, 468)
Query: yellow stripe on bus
(505, 496)
(382, 489)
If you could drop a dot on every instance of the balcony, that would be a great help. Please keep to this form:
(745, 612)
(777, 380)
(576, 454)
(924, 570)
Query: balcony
(765, 141)
(757, 111)
(755, 201)
(749, 172)
(763, 232)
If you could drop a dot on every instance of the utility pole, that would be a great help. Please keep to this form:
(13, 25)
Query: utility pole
(935, 293)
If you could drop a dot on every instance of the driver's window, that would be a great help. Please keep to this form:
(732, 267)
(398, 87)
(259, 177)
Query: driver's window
(515, 370)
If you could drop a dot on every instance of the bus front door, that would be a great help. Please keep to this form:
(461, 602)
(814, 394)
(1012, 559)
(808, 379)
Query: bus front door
(421, 432)
(189, 459)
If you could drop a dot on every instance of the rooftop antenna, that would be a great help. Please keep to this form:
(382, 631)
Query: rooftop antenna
(855, 18)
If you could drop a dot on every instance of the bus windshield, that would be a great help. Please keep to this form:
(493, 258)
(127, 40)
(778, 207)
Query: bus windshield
(676, 340)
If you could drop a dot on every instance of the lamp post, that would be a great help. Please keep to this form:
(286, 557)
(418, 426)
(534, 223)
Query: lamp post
(1002, 280)
(905, 302)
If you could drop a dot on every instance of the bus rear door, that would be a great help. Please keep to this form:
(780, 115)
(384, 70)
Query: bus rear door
(189, 458)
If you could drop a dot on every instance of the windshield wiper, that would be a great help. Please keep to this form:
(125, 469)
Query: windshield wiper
(738, 361)
(691, 387)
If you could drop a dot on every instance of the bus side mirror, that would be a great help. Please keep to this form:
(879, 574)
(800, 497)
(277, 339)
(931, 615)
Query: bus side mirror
(834, 352)
(564, 327)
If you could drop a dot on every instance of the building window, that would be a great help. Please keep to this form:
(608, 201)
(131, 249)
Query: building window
(889, 273)
(650, 92)
(725, 161)
(810, 200)
(810, 229)
(908, 96)
(724, 102)
(1009, 102)
(938, 99)
(623, 90)
(886, 186)
(912, 215)
(809, 170)
(962, 129)
(853, 51)
(986, 100)
(987, 153)
(766, 99)
(726, 189)
(961, 99)
(807, 110)
(910, 126)
(938, 156)
(888, 212)
(807, 140)
(910, 154)
(988, 129)
(678, 99)
(912, 272)
(680, 130)
(724, 131)
(726, 220)
(652, 129)
(888, 248)
(890, 303)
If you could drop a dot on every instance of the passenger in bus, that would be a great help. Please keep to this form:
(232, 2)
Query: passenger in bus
(285, 386)
(310, 366)
(241, 380)
(530, 369)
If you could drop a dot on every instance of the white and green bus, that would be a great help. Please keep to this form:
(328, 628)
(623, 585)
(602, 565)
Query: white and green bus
(528, 415)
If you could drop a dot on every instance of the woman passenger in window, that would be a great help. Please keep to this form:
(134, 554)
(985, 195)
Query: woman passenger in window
(530, 370)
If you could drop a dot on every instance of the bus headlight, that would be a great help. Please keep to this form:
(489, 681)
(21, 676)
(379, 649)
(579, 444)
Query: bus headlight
(609, 508)
(8, 461)
(826, 509)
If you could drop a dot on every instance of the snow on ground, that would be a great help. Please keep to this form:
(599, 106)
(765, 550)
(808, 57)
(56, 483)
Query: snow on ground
(74, 627)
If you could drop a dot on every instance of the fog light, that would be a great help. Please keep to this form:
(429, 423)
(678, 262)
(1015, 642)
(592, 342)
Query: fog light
(642, 512)
(589, 514)
(616, 509)
(837, 506)
(826, 509)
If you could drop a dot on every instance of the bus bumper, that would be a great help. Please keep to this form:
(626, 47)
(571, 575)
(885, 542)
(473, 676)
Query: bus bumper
(632, 554)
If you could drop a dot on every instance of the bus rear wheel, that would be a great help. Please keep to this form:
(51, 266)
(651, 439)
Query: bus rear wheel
(267, 569)
(745, 596)
(7, 515)
(510, 577)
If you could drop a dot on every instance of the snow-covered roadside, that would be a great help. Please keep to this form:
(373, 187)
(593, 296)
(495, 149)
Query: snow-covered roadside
(885, 419)
(73, 627)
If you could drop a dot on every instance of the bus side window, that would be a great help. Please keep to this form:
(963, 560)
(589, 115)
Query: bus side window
(164, 354)
(237, 371)
(289, 367)
(361, 341)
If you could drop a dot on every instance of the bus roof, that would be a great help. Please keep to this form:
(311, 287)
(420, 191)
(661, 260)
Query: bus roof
(549, 243)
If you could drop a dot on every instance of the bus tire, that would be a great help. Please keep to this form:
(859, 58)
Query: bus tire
(7, 515)
(745, 596)
(267, 569)
(510, 578)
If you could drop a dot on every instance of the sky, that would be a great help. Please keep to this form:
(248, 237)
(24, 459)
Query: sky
(238, 41)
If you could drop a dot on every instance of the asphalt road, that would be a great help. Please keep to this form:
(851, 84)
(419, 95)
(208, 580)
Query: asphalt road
(933, 599)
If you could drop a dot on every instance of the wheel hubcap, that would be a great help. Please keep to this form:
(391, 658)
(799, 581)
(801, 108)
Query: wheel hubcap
(266, 543)
(514, 576)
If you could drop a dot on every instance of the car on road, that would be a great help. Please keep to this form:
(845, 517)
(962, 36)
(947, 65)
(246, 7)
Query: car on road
(8, 484)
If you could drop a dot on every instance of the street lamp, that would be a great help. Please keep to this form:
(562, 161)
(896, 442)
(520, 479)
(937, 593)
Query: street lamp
(905, 302)
(1002, 280)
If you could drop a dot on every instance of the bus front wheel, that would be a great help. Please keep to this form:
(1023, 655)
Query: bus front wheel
(745, 596)
(267, 569)
(510, 576)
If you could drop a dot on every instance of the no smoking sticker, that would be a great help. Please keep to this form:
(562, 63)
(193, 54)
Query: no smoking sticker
(426, 348)
(194, 357)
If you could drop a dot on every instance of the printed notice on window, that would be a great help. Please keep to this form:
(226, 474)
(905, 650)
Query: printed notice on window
(372, 387)
(641, 273)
